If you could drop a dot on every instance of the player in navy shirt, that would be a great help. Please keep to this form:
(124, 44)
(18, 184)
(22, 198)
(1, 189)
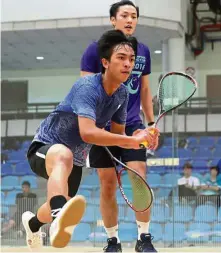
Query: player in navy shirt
(63, 140)
(124, 16)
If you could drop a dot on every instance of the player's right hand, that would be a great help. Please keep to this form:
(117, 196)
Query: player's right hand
(141, 136)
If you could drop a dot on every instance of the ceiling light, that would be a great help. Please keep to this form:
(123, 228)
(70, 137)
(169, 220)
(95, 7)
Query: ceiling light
(40, 58)
(157, 51)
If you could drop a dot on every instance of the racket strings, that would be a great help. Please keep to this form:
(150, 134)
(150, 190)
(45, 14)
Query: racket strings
(174, 89)
(141, 195)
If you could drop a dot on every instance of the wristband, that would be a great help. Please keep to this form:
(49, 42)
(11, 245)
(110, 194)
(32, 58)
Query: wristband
(151, 123)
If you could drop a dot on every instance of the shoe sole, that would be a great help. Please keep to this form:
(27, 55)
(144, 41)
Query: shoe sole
(69, 217)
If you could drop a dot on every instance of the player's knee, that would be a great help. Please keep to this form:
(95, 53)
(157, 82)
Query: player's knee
(59, 154)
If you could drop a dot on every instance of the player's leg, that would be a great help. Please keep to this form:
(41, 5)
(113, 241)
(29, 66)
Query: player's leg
(136, 159)
(108, 203)
(55, 163)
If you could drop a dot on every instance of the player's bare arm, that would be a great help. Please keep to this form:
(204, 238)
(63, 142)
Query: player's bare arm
(94, 135)
(146, 99)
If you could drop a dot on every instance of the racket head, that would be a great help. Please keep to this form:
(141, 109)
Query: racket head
(174, 90)
(134, 189)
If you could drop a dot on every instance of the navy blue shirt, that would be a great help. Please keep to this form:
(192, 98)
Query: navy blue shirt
(87, 98)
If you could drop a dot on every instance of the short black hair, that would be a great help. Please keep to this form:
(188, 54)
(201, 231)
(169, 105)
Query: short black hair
(188, 165)
(112, 38)
(115, 7)
(26, 183)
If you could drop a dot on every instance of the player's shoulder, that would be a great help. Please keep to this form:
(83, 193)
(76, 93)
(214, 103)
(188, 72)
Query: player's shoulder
(88, 81)
(92, 48)
(143, 47)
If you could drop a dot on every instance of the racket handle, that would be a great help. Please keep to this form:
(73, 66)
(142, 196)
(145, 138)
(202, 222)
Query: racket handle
(145, 144)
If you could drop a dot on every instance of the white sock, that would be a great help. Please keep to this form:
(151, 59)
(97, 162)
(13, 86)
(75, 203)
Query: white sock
(143, 227)
(112, 232)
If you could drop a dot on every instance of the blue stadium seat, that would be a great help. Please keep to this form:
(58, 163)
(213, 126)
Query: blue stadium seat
(207, 141)
(17, 155)
(85, 193)
(98, 234)
(205, 213)
(130, 215)
(4, 209)
(156, 230)
(127, 232)
(182, 153)
(200, 163)
(217, 152)
(192, 141)
(160, 213)
(154, 169)
(215, 238)
(81, 232)
(164, 152)
(9, 183)
(201, 227)
(25, 144)
(203, 152)
(214, 161)
(23, 168)
(174, 232)
(11, 197)
(31, 179)
(154, 180)
(92, 214)
(163, 193)
(2, 196)
(182, 213)
(6, 169)
(219, 215)
(90, 181)
(167, 141)
(170, 179)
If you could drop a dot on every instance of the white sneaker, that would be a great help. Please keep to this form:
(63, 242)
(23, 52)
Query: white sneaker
(33, 240)
(63, 225)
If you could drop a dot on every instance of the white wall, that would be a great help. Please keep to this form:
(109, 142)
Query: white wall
(27, 10)
(52, 85)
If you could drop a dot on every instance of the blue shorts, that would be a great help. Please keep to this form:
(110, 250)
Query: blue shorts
(100, 159)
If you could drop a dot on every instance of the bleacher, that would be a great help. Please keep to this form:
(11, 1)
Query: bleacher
(169, 223)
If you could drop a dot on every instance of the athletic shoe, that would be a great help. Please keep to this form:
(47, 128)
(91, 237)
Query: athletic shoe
(33, 240)
(63, 225)
(145, 244)
(112, 245)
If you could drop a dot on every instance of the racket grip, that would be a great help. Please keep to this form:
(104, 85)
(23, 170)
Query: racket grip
(144, 144)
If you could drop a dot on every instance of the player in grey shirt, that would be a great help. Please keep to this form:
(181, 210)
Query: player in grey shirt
(63, 140)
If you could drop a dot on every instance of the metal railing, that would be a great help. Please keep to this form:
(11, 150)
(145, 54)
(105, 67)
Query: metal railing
(176, 222)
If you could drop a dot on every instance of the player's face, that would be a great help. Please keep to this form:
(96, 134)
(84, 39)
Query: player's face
(25, 188)
(121, 63)
(213, 173)
(187, 172)
(126, 19)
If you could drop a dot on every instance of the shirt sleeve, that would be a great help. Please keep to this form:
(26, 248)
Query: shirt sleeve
(120, 116)
(90, 61)
(84, 102)
(147, 69)
(197, 182)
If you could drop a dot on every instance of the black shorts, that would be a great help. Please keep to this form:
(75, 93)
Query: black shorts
(36, 157)
(99, 158)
